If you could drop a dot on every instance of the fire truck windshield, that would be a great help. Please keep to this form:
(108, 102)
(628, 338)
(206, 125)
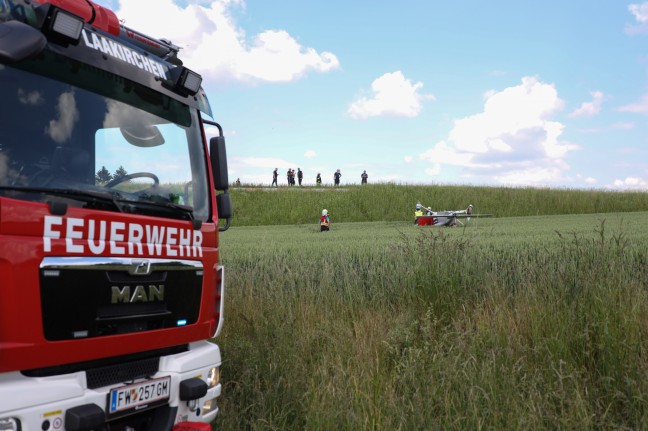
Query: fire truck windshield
(68, 126)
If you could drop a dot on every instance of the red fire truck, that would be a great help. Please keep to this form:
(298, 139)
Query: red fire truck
(110, 197)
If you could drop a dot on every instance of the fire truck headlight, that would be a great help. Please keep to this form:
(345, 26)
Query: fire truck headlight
(209, 406)
(213, 377)
(9, 424)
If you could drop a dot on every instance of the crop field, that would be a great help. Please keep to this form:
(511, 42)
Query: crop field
(256, 206)
(528, 322)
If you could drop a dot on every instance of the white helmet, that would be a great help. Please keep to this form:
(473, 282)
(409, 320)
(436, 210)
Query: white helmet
(324, 212)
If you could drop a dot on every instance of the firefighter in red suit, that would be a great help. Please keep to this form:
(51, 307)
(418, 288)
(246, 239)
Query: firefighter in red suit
(325, 221)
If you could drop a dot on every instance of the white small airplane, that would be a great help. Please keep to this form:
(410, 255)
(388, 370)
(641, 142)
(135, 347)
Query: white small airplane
(444, 218)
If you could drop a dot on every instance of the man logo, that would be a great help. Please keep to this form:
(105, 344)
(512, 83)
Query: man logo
(140, 267)
(140, 293)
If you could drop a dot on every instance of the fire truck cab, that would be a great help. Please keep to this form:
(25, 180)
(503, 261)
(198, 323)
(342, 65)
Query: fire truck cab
(110, 283)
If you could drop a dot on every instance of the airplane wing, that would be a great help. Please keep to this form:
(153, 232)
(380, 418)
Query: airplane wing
(472, 215)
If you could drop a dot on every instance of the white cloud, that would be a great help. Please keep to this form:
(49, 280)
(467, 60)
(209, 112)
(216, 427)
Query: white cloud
(446, 154)
(589, 109)
(60, 129)
(276, 56)
(408, 159)
(640, 11)
(590, 181)
(434, 171)
(214, 45)
(392, 95)
(310, 154)
(531, 175)
(630, 183)
(513, 141)
(640, 107)
(31, 98)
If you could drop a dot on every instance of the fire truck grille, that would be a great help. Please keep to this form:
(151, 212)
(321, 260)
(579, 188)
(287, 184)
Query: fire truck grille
(97, 297)
(113, 374)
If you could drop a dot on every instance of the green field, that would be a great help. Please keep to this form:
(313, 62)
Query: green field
(530, 322)
(256, 206)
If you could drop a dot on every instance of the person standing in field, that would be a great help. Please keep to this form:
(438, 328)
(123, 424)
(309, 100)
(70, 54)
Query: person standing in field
(275, 175)
(325, 221)
(364, 177)
(288, 176)
(300, 176)
(336, 177)
(318, 179)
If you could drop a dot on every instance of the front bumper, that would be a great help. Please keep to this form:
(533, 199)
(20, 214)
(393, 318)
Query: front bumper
(64, 402)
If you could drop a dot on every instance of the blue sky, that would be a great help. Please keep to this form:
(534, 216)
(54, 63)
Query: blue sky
(513, 93)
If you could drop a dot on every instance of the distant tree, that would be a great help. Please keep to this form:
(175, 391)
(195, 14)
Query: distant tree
(103, 176)
(121, 172)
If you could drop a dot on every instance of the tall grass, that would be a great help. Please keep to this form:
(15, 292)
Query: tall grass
(393, 202)
(389, 326)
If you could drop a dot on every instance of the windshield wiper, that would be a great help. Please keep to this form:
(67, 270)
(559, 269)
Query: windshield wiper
(92, 198)
(184, 212)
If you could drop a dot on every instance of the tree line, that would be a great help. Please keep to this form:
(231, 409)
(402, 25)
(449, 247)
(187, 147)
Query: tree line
(103, 175)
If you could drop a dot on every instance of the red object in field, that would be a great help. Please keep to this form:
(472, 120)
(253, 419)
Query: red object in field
(100, 17)
(425, 221)
(192, 426)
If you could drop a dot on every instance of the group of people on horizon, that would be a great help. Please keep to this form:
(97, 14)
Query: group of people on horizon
(290, 176)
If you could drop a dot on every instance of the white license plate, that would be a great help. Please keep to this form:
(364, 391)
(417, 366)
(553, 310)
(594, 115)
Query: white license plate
(138, 395)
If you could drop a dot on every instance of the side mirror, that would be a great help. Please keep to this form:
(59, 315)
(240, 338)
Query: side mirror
(218, 156)
(224, 205)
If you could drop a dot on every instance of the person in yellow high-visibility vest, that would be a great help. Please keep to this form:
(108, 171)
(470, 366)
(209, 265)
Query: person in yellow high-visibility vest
(419, 211)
